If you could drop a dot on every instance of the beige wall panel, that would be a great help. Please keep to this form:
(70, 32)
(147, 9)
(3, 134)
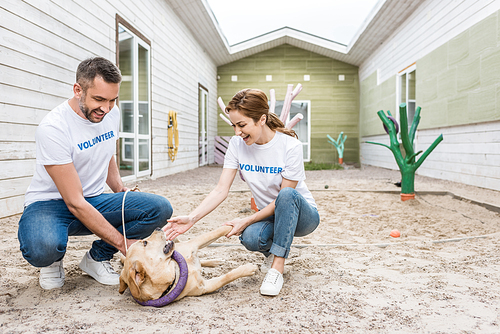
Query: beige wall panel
(334, 103)
(10, 150)
(374, 98)
(14, 187)
(10, 206)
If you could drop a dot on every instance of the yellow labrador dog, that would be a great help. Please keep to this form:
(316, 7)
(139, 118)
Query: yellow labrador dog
(149, 269)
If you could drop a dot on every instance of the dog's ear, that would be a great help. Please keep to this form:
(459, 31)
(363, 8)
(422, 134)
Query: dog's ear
(123, 285)
(137, 275)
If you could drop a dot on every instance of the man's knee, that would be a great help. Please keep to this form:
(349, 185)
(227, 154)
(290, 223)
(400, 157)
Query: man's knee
(162, 209)
(165, 207)
(42, 252)
(156, 209)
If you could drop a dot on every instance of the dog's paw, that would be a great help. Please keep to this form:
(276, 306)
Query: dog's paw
(211, 263)
(250, 269)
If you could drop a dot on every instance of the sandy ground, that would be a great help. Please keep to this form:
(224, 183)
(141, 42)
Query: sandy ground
(349, 276)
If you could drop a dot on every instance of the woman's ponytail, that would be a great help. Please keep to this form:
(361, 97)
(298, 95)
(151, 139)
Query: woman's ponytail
(274, 123)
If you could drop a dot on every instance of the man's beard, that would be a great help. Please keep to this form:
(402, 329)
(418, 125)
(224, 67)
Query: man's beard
(87, 112)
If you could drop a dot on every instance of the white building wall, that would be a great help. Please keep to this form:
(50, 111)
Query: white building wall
(42, 43)
(468, 154)
(432, 24)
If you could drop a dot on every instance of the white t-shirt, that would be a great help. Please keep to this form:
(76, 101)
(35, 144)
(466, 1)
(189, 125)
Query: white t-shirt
(264, 166)
(64, 137)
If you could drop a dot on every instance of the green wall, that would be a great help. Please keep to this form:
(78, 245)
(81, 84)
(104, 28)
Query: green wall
(458, 83)
(334, 103)
(374, 98)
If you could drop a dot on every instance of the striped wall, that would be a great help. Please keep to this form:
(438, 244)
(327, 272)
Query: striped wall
(334, 103)
(431, 25)
(457, 87)
(41, 44)
(468, 154)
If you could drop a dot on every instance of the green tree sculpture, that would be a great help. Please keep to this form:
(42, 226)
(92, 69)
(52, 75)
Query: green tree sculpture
(407, 162)
(339, 144)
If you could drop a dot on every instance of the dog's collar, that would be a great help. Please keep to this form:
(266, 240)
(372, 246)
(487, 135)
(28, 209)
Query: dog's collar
(169, 287)
(176, 291)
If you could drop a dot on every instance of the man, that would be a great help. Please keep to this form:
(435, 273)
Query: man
(75, 146)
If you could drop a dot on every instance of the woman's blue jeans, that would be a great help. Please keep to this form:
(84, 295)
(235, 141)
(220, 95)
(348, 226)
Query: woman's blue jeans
(45, 225)
(293, 216)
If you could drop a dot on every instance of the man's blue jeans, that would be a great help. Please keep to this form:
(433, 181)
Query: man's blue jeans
(45, 225)
(293, 216)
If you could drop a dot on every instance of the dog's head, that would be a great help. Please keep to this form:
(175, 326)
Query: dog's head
(148, 269)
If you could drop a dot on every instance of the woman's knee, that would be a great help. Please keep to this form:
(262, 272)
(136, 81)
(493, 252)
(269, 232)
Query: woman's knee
(257, 237)
(249, 240)
(286, 195)
(307, 224)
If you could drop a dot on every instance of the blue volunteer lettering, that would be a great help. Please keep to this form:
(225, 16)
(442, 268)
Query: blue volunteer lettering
(261, 169)
(96, 140)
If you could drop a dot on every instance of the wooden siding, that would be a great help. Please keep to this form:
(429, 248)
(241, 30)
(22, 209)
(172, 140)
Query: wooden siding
(458, 82)
(375, 97)
(431, 25)
(468, 154)
(456, 47)
(42, 43)
(334, 103)
(377, 155)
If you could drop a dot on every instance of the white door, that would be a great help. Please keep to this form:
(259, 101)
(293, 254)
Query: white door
(203, 126)
(134, 157)
(302, 128)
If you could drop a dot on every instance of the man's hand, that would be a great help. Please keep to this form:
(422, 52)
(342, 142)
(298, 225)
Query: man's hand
(124, 189)
(68, 183)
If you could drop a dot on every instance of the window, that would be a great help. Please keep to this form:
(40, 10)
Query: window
(407, 94)
(203, 125)
(134, 151)
(303, 128)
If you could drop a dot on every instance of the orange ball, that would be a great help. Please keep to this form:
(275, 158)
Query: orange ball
(395, 234)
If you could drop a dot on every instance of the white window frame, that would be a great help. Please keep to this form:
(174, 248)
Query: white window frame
(308, 119)
(399, 77)
(203, 133)
(135, 135)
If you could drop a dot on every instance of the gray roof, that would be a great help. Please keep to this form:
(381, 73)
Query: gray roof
(382, 21)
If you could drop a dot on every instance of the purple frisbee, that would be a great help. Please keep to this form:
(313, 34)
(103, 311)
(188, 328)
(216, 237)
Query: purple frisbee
(176, 291)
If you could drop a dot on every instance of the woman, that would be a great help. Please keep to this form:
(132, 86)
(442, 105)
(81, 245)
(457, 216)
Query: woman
(270, 159)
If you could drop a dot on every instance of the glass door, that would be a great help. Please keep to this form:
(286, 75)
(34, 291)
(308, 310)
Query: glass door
(134, 151)
(202, 126)
(302, 128)
(407, 93)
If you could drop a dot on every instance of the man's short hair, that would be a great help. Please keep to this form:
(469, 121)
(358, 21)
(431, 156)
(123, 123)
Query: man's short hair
(94, 67)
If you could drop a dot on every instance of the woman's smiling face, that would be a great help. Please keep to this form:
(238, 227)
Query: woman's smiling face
(246, 128)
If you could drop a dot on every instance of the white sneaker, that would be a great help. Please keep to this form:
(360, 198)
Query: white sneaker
(52, 277)
(101, 271)
(272, 284)
(266, 265)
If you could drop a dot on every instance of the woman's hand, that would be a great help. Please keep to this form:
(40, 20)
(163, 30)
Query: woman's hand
(177, 226)
(239, 225)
